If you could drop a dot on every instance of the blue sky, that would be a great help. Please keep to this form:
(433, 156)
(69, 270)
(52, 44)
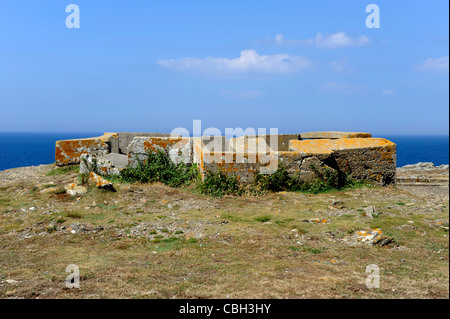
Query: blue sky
(152, 66)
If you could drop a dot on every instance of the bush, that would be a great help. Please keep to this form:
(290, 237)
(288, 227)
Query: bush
(159, 168)
(220, 184)
(327, 181)
(277, 182)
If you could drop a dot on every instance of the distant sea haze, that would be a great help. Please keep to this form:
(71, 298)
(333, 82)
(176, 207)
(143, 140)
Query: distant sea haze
(31, 149)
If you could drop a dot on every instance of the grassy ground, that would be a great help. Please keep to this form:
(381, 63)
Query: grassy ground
(152, 241)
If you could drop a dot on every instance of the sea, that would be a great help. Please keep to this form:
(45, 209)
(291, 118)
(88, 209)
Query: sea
(31, 149)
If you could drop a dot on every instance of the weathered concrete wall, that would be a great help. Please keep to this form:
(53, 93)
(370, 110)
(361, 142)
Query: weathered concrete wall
(359, 158)
(120, 142)
(272, 142)
(357, 155)
(244, 166)
(68, 152)
(334, 135)
(179, 149)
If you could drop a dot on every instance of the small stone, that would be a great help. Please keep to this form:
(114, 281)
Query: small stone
(370, 211)
(75, 190)
(100, 182)
(12, 282)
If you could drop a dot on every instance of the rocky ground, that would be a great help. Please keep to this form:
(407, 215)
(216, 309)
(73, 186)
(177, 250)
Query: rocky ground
(152, 241)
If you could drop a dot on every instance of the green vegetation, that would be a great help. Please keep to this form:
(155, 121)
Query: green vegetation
(263, 219)
(73, 215)
(64, 170)
(220, 184)
(159, 168)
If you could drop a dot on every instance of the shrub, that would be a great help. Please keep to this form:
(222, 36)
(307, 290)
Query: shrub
(219, 184)
(263, 219)
(159, 168)
(279, 181)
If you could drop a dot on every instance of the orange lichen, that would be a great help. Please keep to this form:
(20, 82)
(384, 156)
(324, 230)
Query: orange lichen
(327, 146)
(99, 181)
(70, 151)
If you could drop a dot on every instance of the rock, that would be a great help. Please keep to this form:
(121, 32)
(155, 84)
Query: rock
(318, 221)
(422, 167)
(312, 168)
(334, 202)
(385, 242)
(100, 182)
(12, 282)
(369, 237)
(370, 211)
(109, 164)
(49, 190)
(75, 190)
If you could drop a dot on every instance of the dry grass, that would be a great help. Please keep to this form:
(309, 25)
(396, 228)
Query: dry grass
(159, 242)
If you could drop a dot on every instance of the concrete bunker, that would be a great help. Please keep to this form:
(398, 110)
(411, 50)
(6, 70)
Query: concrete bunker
(357, 155)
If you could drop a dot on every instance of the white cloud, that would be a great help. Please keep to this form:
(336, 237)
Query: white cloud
(341, 66)
(339, 40)
(388, 92)
(341, 88)
(433, 65)
(332, 41)
(249, 62)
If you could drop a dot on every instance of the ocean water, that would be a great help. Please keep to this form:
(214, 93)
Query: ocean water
(415, 149)
(30, 149)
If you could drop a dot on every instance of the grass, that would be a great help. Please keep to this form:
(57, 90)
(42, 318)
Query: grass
(64, 170)
(263, 219)
(220, 246)
(74, 215)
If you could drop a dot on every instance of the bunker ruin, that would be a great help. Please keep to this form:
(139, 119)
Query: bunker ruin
(359, 155)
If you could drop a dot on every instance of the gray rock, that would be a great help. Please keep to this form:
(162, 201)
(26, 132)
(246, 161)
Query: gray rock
(75, 190)
(370, 211)
(109, 164)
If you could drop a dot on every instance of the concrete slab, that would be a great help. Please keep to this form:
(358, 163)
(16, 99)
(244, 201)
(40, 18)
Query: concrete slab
(333, 135)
